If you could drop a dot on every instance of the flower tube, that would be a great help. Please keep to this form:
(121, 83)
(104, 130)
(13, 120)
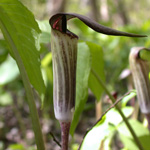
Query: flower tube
(64, 50)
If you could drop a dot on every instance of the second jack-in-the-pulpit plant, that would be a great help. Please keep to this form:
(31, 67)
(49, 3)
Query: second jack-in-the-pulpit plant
(140, 67)
(64, 55)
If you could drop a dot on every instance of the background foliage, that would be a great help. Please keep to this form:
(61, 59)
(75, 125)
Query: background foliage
(107, 55)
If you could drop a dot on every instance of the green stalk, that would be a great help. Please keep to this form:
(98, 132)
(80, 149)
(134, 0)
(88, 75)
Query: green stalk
(29, 92)
(33, 112)
(119, 110)
(144, 54)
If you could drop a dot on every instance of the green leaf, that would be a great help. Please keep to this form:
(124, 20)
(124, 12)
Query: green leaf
(115, 118)
(141, 132)
(83, 71)
(101, 132)
(21, 31)
(46, 31)
(8, 71)
(96, 136)
(83, 30)
(98, 66)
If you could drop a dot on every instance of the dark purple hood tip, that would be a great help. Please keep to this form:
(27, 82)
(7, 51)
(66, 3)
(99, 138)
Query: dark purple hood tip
(59, 22)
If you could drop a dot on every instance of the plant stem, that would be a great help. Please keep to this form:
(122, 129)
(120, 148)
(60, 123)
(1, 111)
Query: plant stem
(32, 107)
(119, 110)
(98, 106)
(18, 116)
(144, 54)
(65, 127)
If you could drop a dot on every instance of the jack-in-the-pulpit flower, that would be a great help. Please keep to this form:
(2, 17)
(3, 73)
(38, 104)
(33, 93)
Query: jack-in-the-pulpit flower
(140, 71)
(64, 50)
(64, 55)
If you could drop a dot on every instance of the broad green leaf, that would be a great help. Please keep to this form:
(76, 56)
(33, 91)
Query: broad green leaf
(8, 71)
(101, 132)
(83, 71)
(21, 32)
(141, 132)
(98, 66)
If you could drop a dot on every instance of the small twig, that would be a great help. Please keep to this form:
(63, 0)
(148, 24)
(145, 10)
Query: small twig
(113, 105)
(54, 139)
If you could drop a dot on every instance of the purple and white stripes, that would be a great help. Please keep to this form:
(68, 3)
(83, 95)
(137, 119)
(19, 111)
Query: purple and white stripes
(64, 55)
